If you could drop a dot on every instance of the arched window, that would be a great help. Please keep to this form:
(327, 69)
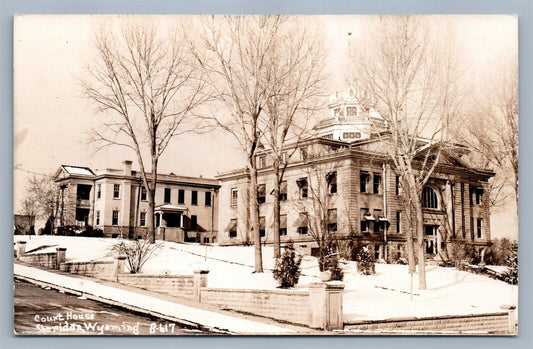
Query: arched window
(429, 198)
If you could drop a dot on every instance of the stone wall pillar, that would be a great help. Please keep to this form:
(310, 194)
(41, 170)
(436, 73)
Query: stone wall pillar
(326, 305)
(20, 249)
(200, 280)
(119, 266)
(511, 311)
(61, 253)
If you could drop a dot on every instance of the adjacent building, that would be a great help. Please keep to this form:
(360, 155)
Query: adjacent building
(115, 201)
(345, 175)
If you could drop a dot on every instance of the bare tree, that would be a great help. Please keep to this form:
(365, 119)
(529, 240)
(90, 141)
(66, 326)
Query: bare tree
(409, 77)
(492, 132)
(144, 85)
(294, 82)
(234, 54)
(42, 199)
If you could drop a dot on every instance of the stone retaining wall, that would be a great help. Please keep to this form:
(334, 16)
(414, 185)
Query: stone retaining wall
(45, 260)
(104, 270)
(175, 285)
(493, 323)
(287, 305)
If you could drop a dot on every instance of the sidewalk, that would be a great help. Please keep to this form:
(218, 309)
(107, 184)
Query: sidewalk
(164, 306)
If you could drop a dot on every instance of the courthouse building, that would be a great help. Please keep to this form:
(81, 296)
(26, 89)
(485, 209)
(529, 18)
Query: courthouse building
(361, 189)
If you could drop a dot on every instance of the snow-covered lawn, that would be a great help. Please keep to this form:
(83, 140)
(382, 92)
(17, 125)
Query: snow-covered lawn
(383, 295)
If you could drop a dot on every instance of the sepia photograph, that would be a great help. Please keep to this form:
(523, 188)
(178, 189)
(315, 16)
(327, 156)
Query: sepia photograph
(200, 175)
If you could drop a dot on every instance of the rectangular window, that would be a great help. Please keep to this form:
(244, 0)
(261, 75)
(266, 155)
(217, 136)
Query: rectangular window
(97, 217)
(181, 196)
(463, 218)
(351, 111)
(115, 218)
(379, 226)
(332, 182)
(472, 227)
(83, 192)
(283, 191)
(262, 231)
(303, 154)
(208, 198)
(234, 194)
(168, 192)
(194, 222)
(398, 222)
(232, 228)
(282, 224)
(116, 191)
(99, 191)
(143, 193)
(302, 223)
(304, 187)
(332, 220)
(142, 222)
(397, 185)
(377, 183)
(479, 223)
(365, 218)
(261, 161)
(261, 193)
(194, 197)
(478, 195)
(364, 178)
(364, 226)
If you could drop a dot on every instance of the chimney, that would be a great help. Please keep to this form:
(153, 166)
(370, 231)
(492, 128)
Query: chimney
(127, 167)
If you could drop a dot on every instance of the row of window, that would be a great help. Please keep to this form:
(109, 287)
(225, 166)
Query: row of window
(167, 195)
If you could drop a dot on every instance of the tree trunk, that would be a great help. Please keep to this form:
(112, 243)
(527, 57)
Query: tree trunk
(254, 216)
(420, 244)
(276, 211)
(150, 219)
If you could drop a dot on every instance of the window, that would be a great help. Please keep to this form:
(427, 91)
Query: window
(234, 197)
(232, 228)
(282, 224)
(364, 226)
(302, 223)
(261, 193)
(116, 191)
(397, 185)
(283, 191)
(115, 218)
(365, 218)
(194, 222)
(351, 111)
(99, 191)
(168, 192)
(479, 223)
(143, 193)
(364, 179)
(97, 217)
(303, 153)
(262, 231)
(463, 218)
(284, 158)
(304, 187)
(208, 198)
(261, 161)
(142, 222)
(194, 197)
(472, 227)
(332, 182)
(83, 192)
(332, 220)
(477, 194)
(429, 198)
(379, 224)
(398, 221)
(181, 196)
(377, 183)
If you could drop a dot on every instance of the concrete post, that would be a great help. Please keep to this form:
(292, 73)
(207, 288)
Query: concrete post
(20, 249)
(119, 266)
(61, 253)
(200, 280)
(511, 311)
(326, 305)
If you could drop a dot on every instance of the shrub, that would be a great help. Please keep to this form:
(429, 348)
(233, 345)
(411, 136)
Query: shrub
(137, 253)
(365, 262)
(512, 262)
(287, 268)
(335, 269)
(498, 252)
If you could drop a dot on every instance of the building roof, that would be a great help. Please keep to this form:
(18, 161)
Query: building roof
(84, 171)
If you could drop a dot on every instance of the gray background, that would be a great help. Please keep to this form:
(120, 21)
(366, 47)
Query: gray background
(8, 8)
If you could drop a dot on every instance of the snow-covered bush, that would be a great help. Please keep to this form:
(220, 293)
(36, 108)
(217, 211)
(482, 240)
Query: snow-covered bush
(512, 262)
(365, 262)
(287, 268)
(137, 253)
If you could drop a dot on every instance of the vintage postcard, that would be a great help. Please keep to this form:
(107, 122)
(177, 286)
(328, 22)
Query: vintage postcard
(267, 175)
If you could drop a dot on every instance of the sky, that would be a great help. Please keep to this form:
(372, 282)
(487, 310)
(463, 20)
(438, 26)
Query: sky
(52, 119)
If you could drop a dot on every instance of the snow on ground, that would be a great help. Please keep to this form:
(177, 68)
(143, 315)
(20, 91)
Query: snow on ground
(383, 295)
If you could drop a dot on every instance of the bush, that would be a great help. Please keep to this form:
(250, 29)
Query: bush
(137, 253)
(512, 262)
(287, 268)
(365, 262)
(498, 252)
(335, 269)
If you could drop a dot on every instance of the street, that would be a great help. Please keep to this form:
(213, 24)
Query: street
(43, 311)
